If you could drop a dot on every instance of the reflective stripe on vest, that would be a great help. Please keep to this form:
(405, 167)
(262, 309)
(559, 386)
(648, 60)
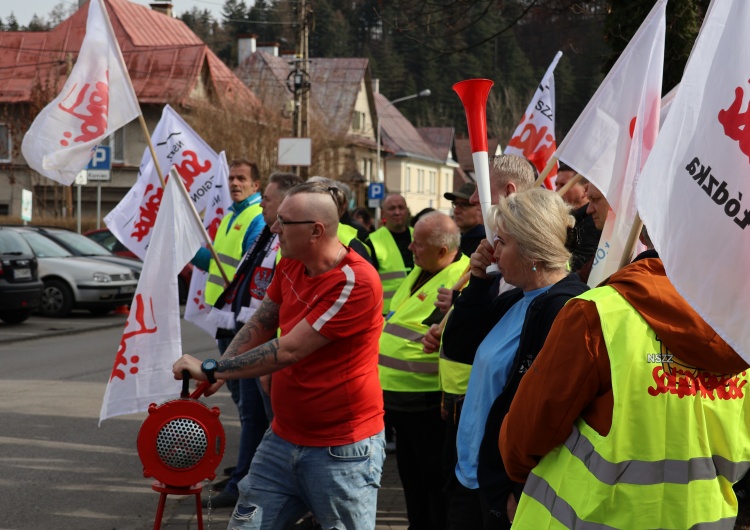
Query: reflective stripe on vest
(228, 246)
(391, 265)
(666, 462)
(404, 367)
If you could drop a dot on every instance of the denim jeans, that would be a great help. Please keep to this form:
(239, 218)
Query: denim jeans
(338, 484)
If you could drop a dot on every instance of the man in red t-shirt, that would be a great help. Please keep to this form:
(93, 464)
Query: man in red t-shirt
(324, 452)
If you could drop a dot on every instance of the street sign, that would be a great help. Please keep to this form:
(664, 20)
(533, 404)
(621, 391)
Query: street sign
(81, 178)
(26, 205)
(99, 168)
(376, 191)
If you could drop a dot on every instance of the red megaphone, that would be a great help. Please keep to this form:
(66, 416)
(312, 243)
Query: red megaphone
(473, 94)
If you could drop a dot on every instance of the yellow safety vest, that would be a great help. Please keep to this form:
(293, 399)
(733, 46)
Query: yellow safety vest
(347, 234)
(228, 246)
(404, 367)
(391, 265)
(454, 376)
(680, 438)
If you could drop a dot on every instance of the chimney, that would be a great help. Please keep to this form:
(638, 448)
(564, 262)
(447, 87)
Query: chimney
(165, 7)
(376, 86)
(246, 46)
(271, 48)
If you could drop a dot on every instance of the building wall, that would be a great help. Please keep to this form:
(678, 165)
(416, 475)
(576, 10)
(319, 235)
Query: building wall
(422, 183)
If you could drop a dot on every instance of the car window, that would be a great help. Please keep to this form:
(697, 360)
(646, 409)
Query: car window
(81, 243)
(12, 243)
(44, 247)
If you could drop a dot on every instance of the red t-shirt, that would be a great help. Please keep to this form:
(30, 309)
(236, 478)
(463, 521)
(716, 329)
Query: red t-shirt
(332, 396)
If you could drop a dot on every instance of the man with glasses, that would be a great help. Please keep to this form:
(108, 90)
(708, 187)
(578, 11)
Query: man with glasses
(325, 449)
(468, 217)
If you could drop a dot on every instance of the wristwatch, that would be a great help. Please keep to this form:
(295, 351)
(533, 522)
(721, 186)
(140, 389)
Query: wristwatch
(208, 367)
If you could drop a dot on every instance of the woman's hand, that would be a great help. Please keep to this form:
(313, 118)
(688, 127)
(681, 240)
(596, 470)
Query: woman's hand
(481, 259)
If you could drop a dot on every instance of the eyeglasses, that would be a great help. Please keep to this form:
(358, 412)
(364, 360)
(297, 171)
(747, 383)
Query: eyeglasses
(283, 223)
(462, 205)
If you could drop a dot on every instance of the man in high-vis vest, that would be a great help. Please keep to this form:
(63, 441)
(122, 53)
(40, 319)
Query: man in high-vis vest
(409, 378)
(390, 245)
(237, 231)
(633, 415)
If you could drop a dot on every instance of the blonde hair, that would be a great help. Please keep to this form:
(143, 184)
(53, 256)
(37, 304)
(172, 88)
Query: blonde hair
(539, 221)
(515, 169)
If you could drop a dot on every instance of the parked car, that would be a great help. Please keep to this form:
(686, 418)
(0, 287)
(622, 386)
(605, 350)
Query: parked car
(20, 286)
(72, 282)
(107, 239)
(80, 245)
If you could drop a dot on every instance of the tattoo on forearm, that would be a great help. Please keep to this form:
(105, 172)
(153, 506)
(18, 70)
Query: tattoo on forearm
(264, 355)
(264, 321)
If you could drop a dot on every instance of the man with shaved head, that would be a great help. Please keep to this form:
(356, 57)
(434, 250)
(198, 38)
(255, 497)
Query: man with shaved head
(409, 378)
(325, 449)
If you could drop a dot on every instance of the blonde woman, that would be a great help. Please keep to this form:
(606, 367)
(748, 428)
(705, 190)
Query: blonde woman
(501, 338)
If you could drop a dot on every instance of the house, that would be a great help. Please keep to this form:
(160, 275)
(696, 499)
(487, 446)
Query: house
(442, 141)
(412, 167)
(167, 63)
(342, 116)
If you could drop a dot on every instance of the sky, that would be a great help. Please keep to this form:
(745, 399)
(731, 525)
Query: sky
(25, 9)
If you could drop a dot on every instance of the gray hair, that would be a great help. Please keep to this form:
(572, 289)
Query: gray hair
(335, 183)
(444, 231)
(284, 181)
(538, 220)
(513, 168)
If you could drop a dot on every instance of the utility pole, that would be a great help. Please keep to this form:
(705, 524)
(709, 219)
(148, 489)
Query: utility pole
(300, 79)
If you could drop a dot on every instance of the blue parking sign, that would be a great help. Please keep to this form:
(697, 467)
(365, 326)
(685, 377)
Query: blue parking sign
(376, 191)
(102, 158)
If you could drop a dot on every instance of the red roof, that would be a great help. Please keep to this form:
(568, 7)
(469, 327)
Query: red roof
(165, 59)
(399, 136)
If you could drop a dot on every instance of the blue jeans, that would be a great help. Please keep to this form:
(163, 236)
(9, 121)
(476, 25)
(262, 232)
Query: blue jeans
(338, 484)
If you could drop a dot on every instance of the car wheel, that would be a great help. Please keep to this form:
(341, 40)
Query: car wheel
(15, 317)
(57, 299)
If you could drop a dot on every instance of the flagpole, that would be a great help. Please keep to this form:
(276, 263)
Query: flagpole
(543, 175)
(635, 231)
(176, 177)
(135, 98)
(562, 191)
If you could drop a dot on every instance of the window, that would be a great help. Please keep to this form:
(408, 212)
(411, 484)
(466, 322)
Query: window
(5, 143)
(4, 209)
(117, 143)
(420, 181)
(408, 178)
(433, 181)
(358, 120)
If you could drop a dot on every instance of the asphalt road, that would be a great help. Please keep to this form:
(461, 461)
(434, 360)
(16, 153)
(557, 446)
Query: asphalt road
(58, 468)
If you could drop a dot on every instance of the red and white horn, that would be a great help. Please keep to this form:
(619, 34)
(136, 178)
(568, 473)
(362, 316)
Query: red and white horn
(473, 94)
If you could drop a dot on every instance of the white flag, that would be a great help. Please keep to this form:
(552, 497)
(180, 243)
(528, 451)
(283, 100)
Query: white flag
(60, 142)
(694, 193)
(175, 143)
(534, 138)
(613, 136)
(151, 341)
(196, 308)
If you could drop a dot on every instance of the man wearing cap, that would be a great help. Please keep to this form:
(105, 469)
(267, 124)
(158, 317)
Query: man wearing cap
(468, 217)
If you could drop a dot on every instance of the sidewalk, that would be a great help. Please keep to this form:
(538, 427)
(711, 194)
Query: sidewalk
(391, 506)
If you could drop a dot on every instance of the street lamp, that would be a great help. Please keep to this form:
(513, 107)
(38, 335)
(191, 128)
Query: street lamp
(421, 94)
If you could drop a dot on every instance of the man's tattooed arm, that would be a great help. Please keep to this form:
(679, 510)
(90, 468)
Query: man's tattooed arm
(259, 361)
(258, 330)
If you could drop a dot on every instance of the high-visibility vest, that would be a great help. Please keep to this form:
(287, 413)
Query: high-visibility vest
(454, 376)
(347, 234)
(404, 367)
(391, 265)
(680, 438)
(228, 246)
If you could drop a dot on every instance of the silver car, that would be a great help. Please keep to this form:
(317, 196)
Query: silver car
(72, 282)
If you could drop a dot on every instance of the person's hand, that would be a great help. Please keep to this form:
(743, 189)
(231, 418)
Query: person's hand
(431, 339)
(192, 365)
(511, 506)
(481, 259)
(265, 384)
(444, 299)
(213, 389)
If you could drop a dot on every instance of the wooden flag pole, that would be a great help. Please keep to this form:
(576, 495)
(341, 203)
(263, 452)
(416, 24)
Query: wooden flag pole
(545, 171)
(630, 244)
(176, 177)
(562, 191)
(460, 284)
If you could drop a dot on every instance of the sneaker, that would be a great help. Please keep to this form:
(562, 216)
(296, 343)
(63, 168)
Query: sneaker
(225, 499)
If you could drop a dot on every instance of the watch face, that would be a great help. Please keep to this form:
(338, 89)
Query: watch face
(210, 364)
